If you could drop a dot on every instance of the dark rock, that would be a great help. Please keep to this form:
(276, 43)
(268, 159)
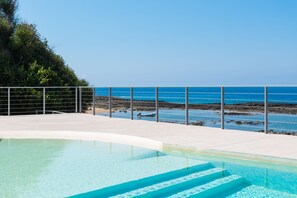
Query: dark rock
(236, 113)
(198, 123)
(238, 122)
(294, 133)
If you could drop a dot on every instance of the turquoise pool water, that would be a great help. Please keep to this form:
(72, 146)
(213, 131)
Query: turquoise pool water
(60, 168)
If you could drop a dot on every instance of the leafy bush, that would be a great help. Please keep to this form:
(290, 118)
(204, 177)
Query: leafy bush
(26, 59)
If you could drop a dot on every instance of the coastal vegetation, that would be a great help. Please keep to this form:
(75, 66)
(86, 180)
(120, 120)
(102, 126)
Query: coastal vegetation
(26, 58)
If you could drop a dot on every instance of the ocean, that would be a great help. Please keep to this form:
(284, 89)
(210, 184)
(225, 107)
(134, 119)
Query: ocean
(207, 95)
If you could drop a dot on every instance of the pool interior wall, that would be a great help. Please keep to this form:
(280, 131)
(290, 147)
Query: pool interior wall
(61, 168)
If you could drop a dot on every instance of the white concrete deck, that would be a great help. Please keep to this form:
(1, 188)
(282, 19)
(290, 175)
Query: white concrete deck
(151, 134)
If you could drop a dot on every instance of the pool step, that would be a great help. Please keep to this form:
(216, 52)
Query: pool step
(147, 181)
(256, 191)
(213, 188)
(202, 180)
(177, 184)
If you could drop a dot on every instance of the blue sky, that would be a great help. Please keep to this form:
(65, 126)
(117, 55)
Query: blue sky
(171, 42)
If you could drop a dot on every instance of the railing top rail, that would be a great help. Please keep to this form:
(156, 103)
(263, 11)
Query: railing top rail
(194, 86)
(39, 87)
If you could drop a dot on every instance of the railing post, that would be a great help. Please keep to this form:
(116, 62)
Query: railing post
(76, 100)
(80, 102)
(157, 104)
(109, 104)
(8, 101)
(131, 102)
(266, 109)
(94, 106)
(43, 100)
(222, 107)
(187, 104)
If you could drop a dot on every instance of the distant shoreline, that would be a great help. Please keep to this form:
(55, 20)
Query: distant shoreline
(147, 105)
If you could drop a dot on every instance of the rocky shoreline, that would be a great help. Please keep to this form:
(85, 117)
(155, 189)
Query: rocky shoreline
(252, 123)
(294, 133)
(231, 109)
(246, 109)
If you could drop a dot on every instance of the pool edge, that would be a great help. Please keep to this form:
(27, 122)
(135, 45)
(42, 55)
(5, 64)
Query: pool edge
(232, 157)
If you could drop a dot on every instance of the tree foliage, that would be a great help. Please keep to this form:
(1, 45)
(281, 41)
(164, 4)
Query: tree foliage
(26, 59)
(8, 10)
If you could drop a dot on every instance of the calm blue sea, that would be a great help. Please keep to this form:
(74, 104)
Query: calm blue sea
(204, 95)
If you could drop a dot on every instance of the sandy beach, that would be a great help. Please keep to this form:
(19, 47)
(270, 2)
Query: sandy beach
(97, 111)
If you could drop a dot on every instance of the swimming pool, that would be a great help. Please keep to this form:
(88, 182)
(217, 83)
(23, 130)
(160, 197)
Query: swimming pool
(61, 168)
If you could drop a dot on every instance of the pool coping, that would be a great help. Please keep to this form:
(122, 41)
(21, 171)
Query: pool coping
(86, 136)
(171, 149)
(245, 159)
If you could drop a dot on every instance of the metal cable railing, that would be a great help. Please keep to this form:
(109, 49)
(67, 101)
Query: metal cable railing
(270, 109)
(245, 108)
(172, 104)
(204, 104)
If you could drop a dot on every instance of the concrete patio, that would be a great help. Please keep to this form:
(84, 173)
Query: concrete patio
(151, 134)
